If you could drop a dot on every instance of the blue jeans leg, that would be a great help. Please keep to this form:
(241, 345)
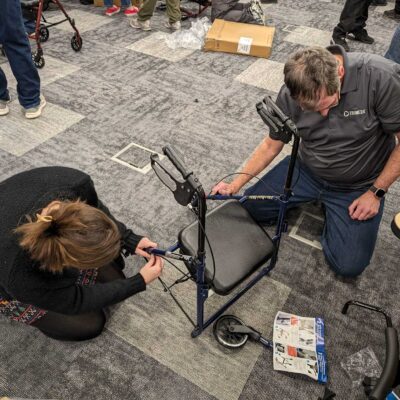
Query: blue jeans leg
(393, 52)
(16, 46)
(3, 86)
(305, 189)
(348, 245)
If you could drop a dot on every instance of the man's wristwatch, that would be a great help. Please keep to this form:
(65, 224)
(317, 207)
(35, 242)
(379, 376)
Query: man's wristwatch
(378, 192)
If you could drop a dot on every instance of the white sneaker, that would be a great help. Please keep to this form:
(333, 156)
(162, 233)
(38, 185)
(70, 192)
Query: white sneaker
(175, 26)
(35, 112)
(143, 25)
(4, 110)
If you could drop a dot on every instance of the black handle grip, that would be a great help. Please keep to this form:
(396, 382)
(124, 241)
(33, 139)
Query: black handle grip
(173, 156)
(386, 380)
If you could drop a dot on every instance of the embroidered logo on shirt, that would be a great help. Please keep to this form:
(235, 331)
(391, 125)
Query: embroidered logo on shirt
(354, 112)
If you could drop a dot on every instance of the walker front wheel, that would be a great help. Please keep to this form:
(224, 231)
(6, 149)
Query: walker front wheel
(223, 332)
(76, 42)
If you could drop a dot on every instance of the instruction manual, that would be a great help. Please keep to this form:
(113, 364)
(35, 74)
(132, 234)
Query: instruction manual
(299, 346)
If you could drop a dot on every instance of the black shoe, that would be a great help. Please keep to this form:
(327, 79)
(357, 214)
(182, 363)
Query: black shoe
(86, 2)
(361, 36)
(341, 41)
(392, 14)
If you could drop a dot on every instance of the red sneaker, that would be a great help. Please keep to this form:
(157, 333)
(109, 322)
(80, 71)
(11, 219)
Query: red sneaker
(112, 10)
(130, 12)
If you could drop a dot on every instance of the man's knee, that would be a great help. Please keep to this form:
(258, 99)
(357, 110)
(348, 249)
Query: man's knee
(346, 264)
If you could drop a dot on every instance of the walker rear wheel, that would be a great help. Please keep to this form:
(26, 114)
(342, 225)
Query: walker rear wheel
(225, 336)
(38, 60)
(76, 42)
(44, 33)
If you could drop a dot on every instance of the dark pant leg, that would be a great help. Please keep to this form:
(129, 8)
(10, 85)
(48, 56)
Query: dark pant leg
(82, 326)
(220, 8)
(3, 86)
(348, 245)
(17, 48)
(305, 189)
(397, 6)
(353, 17)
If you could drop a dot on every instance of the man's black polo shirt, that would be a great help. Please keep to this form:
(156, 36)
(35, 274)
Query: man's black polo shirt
(350, 147)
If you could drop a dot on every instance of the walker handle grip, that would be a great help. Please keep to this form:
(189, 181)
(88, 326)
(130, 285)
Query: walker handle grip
(175, 158)
(385, 381)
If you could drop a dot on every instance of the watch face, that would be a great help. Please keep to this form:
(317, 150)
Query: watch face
(380, 193)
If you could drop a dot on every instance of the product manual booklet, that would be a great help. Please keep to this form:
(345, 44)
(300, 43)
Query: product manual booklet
(299, 346)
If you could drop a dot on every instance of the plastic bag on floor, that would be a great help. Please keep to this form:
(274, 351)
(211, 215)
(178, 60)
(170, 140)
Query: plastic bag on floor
(361, 364)
(192, 38)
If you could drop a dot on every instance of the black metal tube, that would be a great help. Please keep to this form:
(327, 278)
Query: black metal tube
(293, 158)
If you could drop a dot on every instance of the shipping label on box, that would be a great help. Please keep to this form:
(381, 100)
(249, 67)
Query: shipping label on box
(238, 38)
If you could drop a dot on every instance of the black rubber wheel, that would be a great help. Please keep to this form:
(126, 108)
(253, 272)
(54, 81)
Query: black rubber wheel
(38, 60)
(224, 335)
(44, 33)
(76, 42)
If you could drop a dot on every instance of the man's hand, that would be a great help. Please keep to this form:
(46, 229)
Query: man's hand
(365, 207)
(144, 244)
(224, 188)
(152, 270)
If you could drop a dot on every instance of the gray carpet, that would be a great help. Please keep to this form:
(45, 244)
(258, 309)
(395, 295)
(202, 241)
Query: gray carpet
(126, 88)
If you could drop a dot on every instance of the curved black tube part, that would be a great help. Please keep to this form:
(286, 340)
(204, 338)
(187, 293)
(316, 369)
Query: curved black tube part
(175, 158)
(388, 376)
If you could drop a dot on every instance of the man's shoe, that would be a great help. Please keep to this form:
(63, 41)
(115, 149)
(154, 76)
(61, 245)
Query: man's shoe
(35, 112)
(341, 41)
(130, 12)
(361, 36)
(175, 26)
(4, 110)
(143, 25)
(392, 14)
(112, 10)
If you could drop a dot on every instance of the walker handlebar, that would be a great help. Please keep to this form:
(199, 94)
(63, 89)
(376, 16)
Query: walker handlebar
(176, 160)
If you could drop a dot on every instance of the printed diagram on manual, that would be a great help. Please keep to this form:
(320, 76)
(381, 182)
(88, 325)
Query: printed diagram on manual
(299, 346)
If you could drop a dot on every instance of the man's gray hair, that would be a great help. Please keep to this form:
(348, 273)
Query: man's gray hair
(309, 71)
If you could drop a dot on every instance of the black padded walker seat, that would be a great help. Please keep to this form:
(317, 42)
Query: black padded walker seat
(239, 245)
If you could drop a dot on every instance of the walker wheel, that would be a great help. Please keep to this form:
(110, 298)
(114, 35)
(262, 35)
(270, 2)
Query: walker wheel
(223, 332)
(44, 33)
(38, 60)
(76, 42)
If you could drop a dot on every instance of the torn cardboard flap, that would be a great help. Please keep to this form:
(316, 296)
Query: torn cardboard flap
(238, 38)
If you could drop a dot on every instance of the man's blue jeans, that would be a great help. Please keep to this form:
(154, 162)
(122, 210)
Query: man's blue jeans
(348, 245)
(393, 52)
(16, 46)
(126, 3)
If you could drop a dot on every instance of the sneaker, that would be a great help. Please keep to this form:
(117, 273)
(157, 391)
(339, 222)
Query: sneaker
(341, 41)
(130, 12)
(143, 25)
(35, 112)
(361, 36)
(256, 12)
(112, 10)
(4, 110)
(175, 26)
(392, 14)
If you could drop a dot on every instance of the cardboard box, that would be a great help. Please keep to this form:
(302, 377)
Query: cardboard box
(238, 38)
(100, 3)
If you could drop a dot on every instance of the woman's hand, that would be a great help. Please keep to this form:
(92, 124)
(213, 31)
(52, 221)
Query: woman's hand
(144, 244)
(152, 270)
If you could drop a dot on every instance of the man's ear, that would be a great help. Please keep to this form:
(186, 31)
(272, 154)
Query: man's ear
(341, 71)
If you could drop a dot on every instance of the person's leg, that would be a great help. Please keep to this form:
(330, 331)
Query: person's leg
(18, 51)
(305, 189)
(348, 245)
(173, 11)
(219, 8)
(359, 32)
(393, 52)
(4, 95)
(147, 10)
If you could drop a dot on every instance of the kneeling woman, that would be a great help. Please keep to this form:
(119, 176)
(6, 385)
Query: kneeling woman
(60, 254)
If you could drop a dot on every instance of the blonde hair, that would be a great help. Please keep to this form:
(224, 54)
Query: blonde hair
(73, 234)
